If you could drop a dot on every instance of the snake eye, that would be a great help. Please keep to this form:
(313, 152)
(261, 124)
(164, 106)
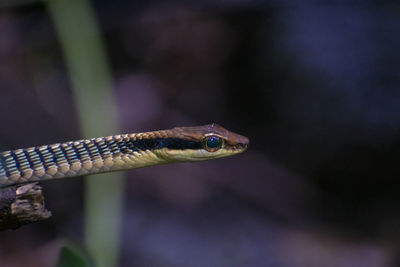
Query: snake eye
(212, 143)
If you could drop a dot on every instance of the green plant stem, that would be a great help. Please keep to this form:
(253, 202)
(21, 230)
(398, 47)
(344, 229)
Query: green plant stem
(84, 54)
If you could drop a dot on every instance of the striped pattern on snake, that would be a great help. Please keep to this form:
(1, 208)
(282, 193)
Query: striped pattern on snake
(118, 152)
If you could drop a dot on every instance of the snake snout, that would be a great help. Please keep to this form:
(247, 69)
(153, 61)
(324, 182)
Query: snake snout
(238, 141)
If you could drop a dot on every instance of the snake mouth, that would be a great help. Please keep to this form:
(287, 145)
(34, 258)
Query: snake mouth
(242, 146)
(239, 147)
(240, 143)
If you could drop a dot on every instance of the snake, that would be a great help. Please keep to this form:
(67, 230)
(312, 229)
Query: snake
(118, 152)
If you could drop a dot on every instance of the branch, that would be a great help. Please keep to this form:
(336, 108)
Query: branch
(21, 204)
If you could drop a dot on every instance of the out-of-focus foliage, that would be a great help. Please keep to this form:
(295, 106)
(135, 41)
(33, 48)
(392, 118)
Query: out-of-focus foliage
(72, 256)
(84, 54)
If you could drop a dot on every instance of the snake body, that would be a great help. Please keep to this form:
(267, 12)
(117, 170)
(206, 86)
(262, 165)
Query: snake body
(118, 152)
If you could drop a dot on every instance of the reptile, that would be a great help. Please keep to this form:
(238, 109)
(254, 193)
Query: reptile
(118, 152)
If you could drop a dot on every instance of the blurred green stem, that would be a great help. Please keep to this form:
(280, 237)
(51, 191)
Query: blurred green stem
(84, 54)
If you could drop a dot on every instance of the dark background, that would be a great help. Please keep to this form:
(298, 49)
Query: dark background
(314, 86)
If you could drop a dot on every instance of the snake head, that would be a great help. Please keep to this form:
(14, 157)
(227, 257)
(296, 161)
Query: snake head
(204, 142)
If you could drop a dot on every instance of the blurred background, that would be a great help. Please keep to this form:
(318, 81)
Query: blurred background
(314, 86)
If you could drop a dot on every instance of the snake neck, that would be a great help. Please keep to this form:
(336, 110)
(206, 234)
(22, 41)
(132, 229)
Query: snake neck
(119, 152)
(70, 159)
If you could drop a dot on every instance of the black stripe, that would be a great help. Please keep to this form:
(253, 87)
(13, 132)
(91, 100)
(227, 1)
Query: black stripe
(64, 153)
(12, 154)
(159, 143)
(36, 149)
(103, 148)
(76, 156)
(56, 157)
(177, 143)
(28, 159)
(137, 145)
(3, 165)
(82, 151)
(123, 146)
(100, 148)
(89, 148)
(112, 146)
(51, 159)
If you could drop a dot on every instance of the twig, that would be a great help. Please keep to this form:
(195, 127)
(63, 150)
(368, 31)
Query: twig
(20, 205)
